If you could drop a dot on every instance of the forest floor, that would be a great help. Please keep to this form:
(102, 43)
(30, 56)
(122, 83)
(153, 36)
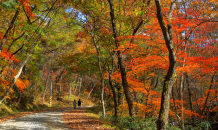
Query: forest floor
(53, 119)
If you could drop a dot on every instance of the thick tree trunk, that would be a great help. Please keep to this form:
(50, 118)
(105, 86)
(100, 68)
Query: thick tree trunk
(171, 74)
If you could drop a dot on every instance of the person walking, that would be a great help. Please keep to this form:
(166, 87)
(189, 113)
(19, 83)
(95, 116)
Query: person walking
(79, 103)
(74, 104)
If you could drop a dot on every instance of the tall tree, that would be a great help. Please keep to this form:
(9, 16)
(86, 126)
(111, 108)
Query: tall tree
(171, 73)
(121, 63)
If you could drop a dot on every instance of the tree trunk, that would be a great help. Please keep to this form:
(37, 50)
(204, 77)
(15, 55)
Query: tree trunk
(51, 88)
(80, 84)
(121, 64)
(59, 92)
(205, 104)
(70, 94)
(114, 93)
(101, 75)
(171, 73)
(181, 98)
(91, 90)
(70, 90)
(76, 85)
(51, 79)
(119, 94)
(46, 86)
(190, 96)
(189, 93)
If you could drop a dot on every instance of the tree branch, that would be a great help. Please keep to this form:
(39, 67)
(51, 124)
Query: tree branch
(9, 29)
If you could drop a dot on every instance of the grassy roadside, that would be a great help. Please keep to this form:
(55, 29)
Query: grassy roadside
(95, 112)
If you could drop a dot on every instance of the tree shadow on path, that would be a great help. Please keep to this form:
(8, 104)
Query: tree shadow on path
(81, 119)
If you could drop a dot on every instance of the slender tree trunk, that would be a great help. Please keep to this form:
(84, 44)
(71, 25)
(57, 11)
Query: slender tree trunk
(189, 93)
(51, 88)
(77, 83)
(91, 90)
(181, 98)
(51, 79)
(171, 73)
(70, 94)
(46, 86)
(119, 94)
(121, 64)
(190, 96)
(156, 83)
(114, 93)
(206, 101)
(80, 84)
(70, 91)
(59, 92)
(146, 104)
(101, 75)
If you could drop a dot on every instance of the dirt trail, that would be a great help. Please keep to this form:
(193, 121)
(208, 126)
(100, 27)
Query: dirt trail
(51, 120)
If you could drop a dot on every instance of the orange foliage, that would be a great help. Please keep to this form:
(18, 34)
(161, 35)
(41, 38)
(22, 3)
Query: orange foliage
(7, 55)
(20, 84)
(27, 7)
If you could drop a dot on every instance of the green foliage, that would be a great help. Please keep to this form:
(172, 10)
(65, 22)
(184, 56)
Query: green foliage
(41, 87)
(139, 124)
(201, 126)
(72, 96)
(8, 4)
(95, 110)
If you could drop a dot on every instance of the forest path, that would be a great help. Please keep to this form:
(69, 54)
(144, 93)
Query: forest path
(61, 119)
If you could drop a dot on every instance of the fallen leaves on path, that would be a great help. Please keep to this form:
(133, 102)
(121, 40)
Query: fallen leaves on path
(82, 120)
(21, 114)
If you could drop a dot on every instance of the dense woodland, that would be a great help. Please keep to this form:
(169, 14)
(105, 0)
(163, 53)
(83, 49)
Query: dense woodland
(141, 60)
